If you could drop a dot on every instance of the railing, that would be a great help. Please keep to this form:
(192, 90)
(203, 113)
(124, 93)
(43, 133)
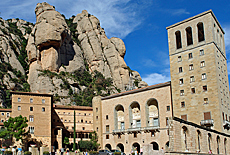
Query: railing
(151, 128)
(118, 130)
(136, 129)
(208, 122)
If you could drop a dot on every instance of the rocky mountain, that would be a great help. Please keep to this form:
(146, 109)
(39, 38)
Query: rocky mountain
(70, 58)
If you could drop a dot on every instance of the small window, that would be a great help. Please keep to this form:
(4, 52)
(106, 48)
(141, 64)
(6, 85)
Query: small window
(85, 114)
(3, 113)
(205, 100)
(19, 99)
(31, 109)
(81, 120)
(207, 115)
(192, 79)
(96, 109)
(202, 63)
(19, 108)
(205, 88)
(201, 52)
(63, 113)
(168, 108)
(97, 129)
(61, 119)
(43, 100)
(83, 128)
(31, 100)
(31, 130)
(203, 77)
(191, 67)
(181, 81)
(193, 91)
(96, 117)
(107, 128)
(31, 118)
(43, 109)
(167, 121)
(7, 114)
(85, 121)
(190, 56)
(180, 69)
(184, 117)
(107, 117)
(181, 92)
(107, 136)
(67, 127)
(179, 58)
(72, 127)
(135, 135)
(182, 104)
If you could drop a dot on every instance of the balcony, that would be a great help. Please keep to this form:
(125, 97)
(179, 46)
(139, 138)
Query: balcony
(208, 122)
(151, 128)
(121, 131)
(136, 129)
(226, 124)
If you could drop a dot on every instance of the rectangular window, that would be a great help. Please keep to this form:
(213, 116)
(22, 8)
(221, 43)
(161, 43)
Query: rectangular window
(180, 70)
(31, 130)
(203, 77)
(19, 99)
(179, 58)
(181, 81)
(191, 67)
(43, 109)
(107, 136)
(31, 118)
(138, 123)
(168, 108)
(201, 52)
(193, 91)
(181, 92)
(122, 125)
(119, 136)
(31, 109)
(43, 100)
(19, 108)
(107, 128)
(107, 117)
(135, 135)
(7, 114)
(207, 115)
(190, 55)
(96, 117)
(202, 63)
(182, 104)
(205, 100)
(31, 100)
(192, 79)
(184, 117)
(205, 88)
(167, 121)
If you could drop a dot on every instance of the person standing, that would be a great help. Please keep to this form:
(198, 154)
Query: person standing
(62, 151)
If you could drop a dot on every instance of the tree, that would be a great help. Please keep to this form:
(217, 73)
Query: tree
(15, 127)
(66, 141)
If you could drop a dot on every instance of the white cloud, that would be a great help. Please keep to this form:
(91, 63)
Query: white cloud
(155, 78)
(175, 12)
(117, 17)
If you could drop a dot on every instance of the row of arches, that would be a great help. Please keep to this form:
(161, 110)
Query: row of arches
(189, 36)
(211, 141)
(134, 113)
(136, 146)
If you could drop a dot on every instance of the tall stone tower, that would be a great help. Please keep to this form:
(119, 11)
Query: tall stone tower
(199, 78)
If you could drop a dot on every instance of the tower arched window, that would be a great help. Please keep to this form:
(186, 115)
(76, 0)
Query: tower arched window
(152, 113)
(134, 115)
(119, 117)
(200, 27)
(178, 39)
(189, 36)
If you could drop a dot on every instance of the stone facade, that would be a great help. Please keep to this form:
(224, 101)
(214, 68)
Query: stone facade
(200, 89)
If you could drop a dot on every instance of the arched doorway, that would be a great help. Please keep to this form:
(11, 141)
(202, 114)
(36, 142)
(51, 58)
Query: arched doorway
(155, 146)
(29, 144)
(136, 146)
(120, 147)
(108, 147)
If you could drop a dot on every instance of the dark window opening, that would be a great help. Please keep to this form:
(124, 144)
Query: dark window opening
(200, 27)
(178, 40)
(189, 36)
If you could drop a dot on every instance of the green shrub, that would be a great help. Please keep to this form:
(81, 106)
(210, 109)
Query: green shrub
(118, 153)
(8, 152)
(46, 152)
(93, 152)
(28, 152)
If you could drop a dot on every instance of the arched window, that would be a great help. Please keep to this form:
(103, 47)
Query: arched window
(189, 36)
(152, 113)
(178, 39)
(200, 28)
(209, 141)
(218, 144)
(155, 146)
(119, 117)
(198, 140)
(184, 138)
(134, 115)
(108, 147)
(225, 145)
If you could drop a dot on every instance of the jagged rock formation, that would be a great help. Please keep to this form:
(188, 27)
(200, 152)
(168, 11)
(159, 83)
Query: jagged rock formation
(50, 47)
(64, 57)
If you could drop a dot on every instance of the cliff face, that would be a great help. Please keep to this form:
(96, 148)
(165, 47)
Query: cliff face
(60, 50)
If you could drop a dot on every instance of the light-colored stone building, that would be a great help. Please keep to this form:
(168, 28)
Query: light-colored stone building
(199, 78)
(49, 124)
(190, 114)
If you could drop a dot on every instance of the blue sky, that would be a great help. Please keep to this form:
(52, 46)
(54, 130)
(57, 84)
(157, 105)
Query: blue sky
(140, 23)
